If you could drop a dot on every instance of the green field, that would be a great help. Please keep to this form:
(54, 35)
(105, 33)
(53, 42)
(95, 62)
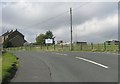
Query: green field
(6, 68)
(93, 48)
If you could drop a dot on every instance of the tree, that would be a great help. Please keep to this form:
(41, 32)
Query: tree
(40, 39)
(49, 35)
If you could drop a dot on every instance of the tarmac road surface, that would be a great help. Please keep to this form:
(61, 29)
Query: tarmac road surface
(66, 67)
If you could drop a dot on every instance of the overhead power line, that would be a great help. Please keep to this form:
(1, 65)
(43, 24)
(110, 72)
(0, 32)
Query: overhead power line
(49, 19)
(54, 17)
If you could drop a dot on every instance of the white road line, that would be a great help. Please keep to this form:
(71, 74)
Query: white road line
(61, 54)
(65, 54)
(92, 62)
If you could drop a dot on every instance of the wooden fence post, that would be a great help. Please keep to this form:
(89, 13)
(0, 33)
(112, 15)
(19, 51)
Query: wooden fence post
(91, 46)
(54, 46)
(104, 46)
(41, 46)
(47, 46)
(81, 46)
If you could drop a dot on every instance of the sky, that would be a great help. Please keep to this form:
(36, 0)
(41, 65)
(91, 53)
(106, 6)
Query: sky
(92, 21)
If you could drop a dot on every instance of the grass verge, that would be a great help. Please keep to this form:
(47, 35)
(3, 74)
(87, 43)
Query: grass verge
(0, 67)
(9, 66)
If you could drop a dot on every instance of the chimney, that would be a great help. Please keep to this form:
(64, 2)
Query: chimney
(11, 31)
(16, 30)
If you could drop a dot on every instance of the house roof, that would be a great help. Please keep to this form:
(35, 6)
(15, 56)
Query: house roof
(11, 32)
(7, 33)
(17, 32)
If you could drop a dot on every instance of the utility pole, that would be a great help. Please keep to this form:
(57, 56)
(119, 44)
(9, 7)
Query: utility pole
(71, 47)
(119, 47)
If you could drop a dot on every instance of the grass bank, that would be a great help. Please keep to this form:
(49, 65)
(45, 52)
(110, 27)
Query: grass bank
(9, 66)
(0, 67)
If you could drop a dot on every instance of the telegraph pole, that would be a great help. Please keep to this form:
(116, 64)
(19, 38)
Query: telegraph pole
(71, 47)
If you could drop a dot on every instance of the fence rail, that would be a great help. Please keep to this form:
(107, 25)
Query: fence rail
(76, 47)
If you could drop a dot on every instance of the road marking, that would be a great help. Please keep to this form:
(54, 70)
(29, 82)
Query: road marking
(65, 54)
(61, 54)
(92, 62)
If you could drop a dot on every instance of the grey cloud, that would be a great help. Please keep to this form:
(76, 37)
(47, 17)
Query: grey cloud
(52, 9)
(29, 24)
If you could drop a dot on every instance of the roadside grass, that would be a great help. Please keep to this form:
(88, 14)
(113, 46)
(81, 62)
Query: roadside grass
(0, 67)
(9, 66)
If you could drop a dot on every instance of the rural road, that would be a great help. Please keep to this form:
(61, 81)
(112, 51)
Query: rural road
(66, 67)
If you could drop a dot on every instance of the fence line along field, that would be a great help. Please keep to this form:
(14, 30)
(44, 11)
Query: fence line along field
(100, 47)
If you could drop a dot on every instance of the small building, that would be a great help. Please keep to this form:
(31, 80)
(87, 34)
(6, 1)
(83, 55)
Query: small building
(65, 43)
(113, 42)
(15, 38)
(108, 42)
(80, 43)
(59, 42)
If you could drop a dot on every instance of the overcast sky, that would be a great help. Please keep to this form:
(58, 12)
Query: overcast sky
(92, 22)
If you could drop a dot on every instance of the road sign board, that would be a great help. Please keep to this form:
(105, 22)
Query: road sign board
(48, 41)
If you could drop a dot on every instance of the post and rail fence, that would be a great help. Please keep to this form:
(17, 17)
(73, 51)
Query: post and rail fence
(100, 47)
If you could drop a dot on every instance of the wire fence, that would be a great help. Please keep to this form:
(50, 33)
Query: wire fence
(76, 47)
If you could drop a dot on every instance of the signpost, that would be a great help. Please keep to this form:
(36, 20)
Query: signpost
(48, 41)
